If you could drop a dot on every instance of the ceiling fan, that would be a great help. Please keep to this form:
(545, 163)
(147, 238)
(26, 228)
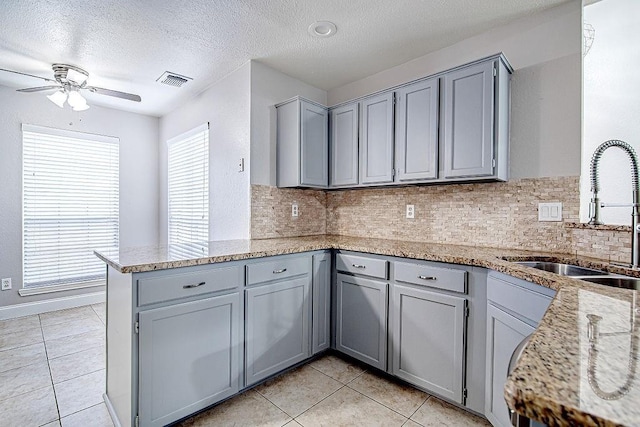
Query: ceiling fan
(69, 81)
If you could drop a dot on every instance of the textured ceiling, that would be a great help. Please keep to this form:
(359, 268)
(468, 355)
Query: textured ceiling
(127, 44)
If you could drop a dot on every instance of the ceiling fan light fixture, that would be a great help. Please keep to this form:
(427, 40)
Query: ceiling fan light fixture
(76, 76)
(76, 101)
(58, 98)
(81, 107)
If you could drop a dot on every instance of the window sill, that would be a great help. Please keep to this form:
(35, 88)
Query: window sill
(59, 288)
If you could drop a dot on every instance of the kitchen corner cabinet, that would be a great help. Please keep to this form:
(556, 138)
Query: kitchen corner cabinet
(416, 126)
(188, 357)
(475, 121)
(343, 137)
(376, 139)
(514, 309)
(278, 316)
(302, 144)
(361, 319)
(321, 312)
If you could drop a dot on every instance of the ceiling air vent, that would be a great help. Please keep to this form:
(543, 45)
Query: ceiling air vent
(173, 79)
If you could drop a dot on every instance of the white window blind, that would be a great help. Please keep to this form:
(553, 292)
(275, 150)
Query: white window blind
(188, 176)
(70, 205)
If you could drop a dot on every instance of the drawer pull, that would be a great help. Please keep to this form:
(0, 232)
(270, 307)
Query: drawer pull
(359, 266)
(426, 277)
(194, 285)
(282, 270)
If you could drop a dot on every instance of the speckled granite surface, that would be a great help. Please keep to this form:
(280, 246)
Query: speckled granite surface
(563, 377)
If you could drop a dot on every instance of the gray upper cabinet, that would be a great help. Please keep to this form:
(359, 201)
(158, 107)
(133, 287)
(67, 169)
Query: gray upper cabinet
(376, 139)
(189, 357)
(475, 121)
(416, 124)
(428, 340)
(302, 144)
(344, 145)
(277, 327)
(321, 285)
(361, 319)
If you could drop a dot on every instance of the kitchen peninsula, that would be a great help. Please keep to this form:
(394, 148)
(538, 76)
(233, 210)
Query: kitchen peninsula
(550, 384)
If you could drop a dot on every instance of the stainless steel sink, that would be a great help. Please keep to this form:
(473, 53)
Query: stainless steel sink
(562, 269)
(615, 281)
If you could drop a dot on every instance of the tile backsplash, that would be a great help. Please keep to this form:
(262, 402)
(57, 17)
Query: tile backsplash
(497, 214)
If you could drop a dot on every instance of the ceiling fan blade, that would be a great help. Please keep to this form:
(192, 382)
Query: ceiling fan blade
(115, 93)
(39, 89)
(30, 75)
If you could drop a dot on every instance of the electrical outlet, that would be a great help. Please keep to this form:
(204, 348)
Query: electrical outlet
(294, 210)
(6, 284)
(410, 211)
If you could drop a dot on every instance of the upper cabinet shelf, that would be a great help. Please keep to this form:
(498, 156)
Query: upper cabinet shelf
(450, 127)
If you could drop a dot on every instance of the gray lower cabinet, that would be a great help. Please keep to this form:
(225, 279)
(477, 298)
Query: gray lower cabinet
(188, 357)
(361, 319)
(277, 327)
(302, 144)
(514, 309)
(504, 333)
(343, 136)
(321, 316)
(416, 128)
(376, 139)
(428, 340)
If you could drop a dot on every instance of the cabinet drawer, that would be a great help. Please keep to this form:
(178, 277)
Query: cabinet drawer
(173, 286)
(277, 269)
(524, 302)
(433, 277)
(362, 265)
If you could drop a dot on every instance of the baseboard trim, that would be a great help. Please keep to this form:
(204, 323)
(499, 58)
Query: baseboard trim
(111, 410)
(37, 307)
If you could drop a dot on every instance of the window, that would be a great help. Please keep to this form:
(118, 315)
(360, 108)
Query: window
(188, 176)
(70, 205)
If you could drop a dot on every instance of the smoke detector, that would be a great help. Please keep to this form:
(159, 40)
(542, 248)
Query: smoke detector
(173, 79)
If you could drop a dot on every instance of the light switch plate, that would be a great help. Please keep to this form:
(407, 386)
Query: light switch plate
(550, 211)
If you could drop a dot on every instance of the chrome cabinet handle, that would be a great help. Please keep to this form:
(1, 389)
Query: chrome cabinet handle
(282, 270)
(193, 286)
(426, 277)
(359, 266)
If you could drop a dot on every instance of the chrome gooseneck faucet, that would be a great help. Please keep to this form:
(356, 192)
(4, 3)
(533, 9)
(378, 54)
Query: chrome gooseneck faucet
(594, 206)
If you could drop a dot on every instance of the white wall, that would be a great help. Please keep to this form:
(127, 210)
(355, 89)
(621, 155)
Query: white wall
(545, 51)
(270, 87)
(138, 175)
(611, 105)
(226, 106)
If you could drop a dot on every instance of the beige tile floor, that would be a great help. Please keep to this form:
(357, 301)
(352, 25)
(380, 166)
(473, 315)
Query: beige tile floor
(52, 373)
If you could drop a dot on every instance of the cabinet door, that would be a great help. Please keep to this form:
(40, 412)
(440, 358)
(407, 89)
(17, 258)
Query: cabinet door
(321, 302)
(504, 333)
(344, 145)
(428, 340)
(277, 327)
(468, 121)
(376, 139)
(314, 145)
(361, 319)
(417, 131)
(189, 357)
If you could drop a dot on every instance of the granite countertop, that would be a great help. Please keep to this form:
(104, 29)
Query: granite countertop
(562, 378)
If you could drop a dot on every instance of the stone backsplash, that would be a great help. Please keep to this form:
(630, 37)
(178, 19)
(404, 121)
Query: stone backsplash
(271, 212)
(498, 214)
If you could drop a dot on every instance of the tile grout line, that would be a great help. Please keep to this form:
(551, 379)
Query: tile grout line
(319, 402)
(379, 403)
(53, 387)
